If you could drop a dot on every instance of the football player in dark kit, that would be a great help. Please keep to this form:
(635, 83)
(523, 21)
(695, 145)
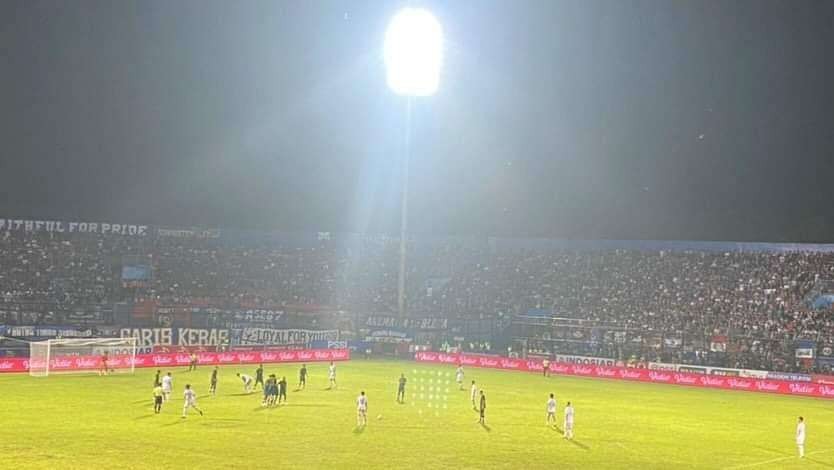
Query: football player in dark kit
(482, 408)
(259, 376)
(213, 382)
(401, 389)
(282, 390)
(302, 377)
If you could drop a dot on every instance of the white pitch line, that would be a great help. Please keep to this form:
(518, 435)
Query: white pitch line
(765, 462)
(622, 446)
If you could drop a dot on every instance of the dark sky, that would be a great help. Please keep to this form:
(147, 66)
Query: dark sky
(572, 119)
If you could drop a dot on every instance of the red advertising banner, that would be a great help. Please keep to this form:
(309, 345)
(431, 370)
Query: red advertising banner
(69, 363)
(641, 375)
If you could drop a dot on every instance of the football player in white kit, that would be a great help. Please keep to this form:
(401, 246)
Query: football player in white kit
(331, 375)
(362, 410)
(473, 394)
(247, 382)
(459, 377)
(800, 437)
(167, 386)
(190, 401)
(568, 421)
(551, 411)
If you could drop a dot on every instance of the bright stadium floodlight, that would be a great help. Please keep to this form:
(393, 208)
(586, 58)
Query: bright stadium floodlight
(413, 52)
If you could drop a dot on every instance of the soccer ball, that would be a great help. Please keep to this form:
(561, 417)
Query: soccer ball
(379, 417)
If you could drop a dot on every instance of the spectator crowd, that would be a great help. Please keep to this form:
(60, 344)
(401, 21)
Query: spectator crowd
(758, 300)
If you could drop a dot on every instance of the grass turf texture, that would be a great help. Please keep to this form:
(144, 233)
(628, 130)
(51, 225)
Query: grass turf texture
(108, 422)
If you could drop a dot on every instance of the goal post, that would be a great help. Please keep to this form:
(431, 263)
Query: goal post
(82, 356)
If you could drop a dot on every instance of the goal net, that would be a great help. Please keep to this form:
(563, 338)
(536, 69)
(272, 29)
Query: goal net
(82, 355)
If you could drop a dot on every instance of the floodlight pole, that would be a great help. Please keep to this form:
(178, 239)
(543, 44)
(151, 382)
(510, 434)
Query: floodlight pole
(401, 306)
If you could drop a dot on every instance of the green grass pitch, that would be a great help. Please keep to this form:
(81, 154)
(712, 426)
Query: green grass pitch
(107, 422)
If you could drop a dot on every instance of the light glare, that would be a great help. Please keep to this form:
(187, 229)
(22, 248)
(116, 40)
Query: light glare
(413, 52)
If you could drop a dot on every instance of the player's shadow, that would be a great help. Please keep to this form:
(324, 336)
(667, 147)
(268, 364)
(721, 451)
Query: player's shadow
(579, 444)
(144, 416)
(359, 430)
(141, 401)
(769, 450)
(486, 428)
(178, 421)
(224, 423)
(820, 462)
(244, 394)
(557, 429)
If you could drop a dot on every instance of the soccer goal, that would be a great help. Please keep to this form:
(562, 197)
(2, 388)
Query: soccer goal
(82, 356)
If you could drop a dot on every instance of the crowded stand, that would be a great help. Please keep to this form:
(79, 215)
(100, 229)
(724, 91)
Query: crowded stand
(729, 308)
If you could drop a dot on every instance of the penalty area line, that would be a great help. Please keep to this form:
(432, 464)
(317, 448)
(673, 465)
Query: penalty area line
(779, 459)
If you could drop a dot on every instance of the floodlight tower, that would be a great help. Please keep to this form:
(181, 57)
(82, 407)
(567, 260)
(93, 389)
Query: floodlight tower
(413, 54)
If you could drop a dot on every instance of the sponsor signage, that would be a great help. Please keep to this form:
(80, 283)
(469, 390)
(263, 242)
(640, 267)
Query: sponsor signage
(789, 376)
(68, 363)
(602, 361)
(698, 379)
(724, 372)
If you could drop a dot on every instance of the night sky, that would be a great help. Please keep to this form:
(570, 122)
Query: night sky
(570, 119)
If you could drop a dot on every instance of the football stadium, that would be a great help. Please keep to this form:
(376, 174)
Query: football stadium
(417, 234)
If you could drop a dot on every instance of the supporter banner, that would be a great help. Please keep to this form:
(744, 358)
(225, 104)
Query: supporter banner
(805, 353)
(248, 317)
(806, 349)
(69, 363)
(388, 336)
(23, 313)
(378, 321)
(264, 347)
(89, 314)
(188, 233)
(641, 375)
(602, 361)
(182, 349)
(49, 332)
(718, 344)
(826, 351)
(103, 228)
(285, 336)
(673, 342)
(176, 336)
